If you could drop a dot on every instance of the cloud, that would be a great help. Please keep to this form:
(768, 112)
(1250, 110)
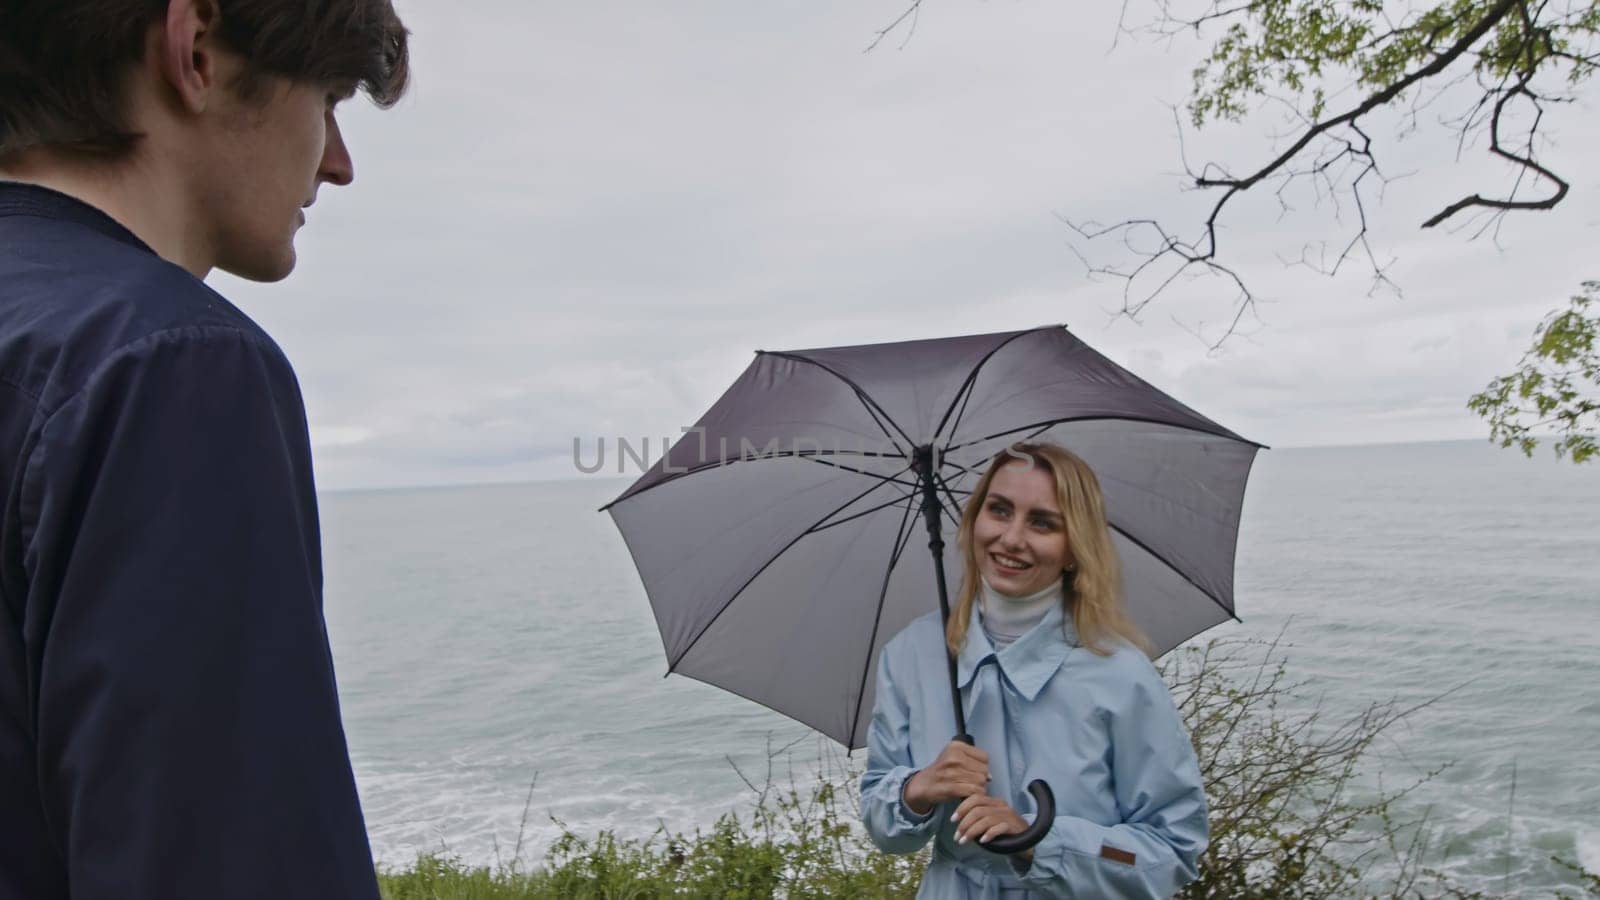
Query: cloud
(585, 218)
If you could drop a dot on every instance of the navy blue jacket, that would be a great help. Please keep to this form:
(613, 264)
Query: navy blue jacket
(169, 723)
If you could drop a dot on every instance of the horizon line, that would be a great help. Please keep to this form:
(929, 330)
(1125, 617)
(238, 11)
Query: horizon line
(508, 482)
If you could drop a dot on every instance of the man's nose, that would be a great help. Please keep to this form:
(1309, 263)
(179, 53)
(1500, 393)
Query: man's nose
(337, 167)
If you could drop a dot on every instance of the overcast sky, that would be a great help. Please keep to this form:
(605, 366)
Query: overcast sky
(586, 217)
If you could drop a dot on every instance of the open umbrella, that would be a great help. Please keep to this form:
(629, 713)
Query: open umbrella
(772, 539)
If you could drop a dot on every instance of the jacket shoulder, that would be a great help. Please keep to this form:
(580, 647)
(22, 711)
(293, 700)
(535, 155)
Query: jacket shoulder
(910, 649)
(924, 630)
(64, 315)
(1124, 670)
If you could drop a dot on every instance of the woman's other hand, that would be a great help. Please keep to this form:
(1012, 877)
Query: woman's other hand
(983, 818)
(961, 771)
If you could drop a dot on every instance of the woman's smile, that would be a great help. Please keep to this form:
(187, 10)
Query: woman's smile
(1009, 563)
(1021, 532)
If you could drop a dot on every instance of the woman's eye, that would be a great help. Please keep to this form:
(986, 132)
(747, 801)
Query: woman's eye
(998, 510)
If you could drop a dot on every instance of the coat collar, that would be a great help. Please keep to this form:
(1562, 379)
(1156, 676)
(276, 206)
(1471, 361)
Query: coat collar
(1029, 661)
(20, 199)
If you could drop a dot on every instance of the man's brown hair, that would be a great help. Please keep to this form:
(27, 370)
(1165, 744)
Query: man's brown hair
(63, 63)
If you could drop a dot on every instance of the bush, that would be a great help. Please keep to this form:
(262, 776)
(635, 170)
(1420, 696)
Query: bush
(795, 843)
(1285, 820)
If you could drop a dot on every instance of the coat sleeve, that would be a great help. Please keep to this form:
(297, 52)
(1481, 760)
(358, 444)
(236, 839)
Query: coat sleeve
(1161, 797)
(889, 822)
(188, 726)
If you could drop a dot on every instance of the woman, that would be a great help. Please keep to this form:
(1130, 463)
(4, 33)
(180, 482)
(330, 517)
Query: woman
(1055, 687)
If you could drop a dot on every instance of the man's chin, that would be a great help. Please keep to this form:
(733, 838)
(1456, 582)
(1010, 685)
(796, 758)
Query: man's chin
(263, 267)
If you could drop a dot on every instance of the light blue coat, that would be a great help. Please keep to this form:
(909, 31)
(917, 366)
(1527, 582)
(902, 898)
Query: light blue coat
(1100, 730)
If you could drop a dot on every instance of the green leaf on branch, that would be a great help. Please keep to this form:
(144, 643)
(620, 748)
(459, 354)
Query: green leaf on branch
(1278, 47)
(1554, 394)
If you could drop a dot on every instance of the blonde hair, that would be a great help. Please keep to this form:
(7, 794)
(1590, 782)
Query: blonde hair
(1094, 592)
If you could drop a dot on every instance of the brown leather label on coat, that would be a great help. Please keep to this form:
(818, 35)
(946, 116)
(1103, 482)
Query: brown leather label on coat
(1115, 855)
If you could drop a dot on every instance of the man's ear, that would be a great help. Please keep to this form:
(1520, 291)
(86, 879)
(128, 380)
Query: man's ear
(187, 52)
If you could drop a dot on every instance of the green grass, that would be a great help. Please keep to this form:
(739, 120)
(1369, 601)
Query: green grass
(794, 844)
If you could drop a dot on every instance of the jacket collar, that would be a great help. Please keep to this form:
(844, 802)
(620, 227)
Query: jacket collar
(1029, 661)
(21, 199)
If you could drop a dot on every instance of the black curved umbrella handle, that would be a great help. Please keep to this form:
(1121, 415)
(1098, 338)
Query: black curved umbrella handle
(1044, 800)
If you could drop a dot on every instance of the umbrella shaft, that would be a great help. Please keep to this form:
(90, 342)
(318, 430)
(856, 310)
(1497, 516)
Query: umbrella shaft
(930, 514)
(937, 547)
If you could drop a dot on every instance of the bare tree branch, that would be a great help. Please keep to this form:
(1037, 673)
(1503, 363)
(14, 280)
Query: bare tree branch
(911, 12)
(1334, 154)
(1526, 162)
(1375, 100)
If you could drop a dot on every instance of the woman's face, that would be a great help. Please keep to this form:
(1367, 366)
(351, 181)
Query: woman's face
(1020, 535)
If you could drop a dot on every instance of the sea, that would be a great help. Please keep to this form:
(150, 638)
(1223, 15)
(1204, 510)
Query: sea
(502, 678)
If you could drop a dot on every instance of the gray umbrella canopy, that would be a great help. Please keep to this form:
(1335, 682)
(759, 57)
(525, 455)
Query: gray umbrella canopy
(780, 542)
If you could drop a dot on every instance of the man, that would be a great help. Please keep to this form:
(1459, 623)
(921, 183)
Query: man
(169, 723)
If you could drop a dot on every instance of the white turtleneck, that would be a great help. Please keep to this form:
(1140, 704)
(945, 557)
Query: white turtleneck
(1006, 618)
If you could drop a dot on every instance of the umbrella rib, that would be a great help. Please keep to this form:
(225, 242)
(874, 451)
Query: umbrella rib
(965, 393)
(950, 491)
(945, 485)
(1049, 424)
(966, 397)
(904, 539)
(900, 499)
(754, 699)
(968, 470)
(718, 463)
(1042, 430)
(877, 619)
(893, 479)
(1136, 542)
(965, 470)
(673, 664)
(1180, 573)
(862, 399)
(861, 395)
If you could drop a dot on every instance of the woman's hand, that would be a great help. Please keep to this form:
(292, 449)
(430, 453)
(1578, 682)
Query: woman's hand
(961, 771)
(983, 818)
